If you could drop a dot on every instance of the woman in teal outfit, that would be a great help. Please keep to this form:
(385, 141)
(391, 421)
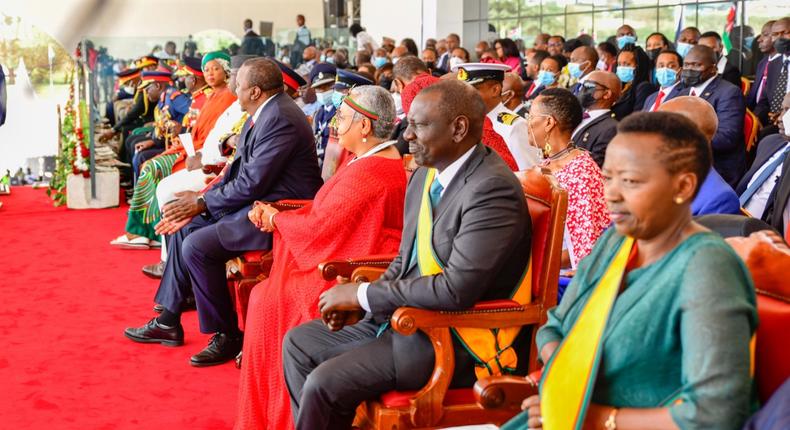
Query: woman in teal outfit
(676, 347)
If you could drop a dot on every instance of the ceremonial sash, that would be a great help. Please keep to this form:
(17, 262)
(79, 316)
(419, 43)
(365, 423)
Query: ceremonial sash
(492, 349)
(570, 374)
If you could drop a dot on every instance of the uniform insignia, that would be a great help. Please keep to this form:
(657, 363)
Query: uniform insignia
(462, 75)
(507, 118)
(586, 136)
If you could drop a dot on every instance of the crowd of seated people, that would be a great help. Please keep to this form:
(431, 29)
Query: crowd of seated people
(409, 152)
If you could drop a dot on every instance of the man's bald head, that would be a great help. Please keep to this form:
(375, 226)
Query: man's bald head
(612, 84)
(697, 110)
(512, 90)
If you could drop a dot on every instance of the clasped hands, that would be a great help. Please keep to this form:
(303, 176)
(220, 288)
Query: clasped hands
(261, 216)
(179, 212)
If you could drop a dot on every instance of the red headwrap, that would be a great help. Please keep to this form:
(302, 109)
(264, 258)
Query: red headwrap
(410, 91)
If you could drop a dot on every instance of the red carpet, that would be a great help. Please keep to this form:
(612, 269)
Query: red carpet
(65, 298)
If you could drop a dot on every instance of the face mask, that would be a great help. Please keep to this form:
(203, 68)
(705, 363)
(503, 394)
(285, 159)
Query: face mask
(323, 58)
(625, 40)
(653, 53)
(546, 78)
(683, 48)
(324, 99)
(379, 61)
(385, 83)
(330, 60)
(602, 65)
(455, 62)
(398, 103)
(575, 70)
(337, 99)
(626, 74)
(782, 46)
(690, 78)
(666, 76)
(786, 122)
(430, 64)
(587, 97)
(748, 42)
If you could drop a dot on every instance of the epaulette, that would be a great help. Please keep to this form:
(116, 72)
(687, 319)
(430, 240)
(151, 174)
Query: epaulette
(507, 118)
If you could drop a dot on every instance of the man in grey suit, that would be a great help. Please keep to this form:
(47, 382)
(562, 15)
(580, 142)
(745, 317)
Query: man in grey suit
(482, 238)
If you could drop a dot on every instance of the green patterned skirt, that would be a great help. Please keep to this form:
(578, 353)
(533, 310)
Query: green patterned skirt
(144, 209)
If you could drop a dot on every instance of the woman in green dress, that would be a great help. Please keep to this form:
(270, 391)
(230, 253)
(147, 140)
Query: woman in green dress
(671, 348)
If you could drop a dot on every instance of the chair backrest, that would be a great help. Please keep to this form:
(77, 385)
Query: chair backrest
(732, 225)
(751, 128)
(548, 204)
(746, 85)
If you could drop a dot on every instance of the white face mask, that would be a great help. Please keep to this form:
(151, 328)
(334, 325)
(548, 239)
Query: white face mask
(455, 62)
(601, 65)
(786, 122)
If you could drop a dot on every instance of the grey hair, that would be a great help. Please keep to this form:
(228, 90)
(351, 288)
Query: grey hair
(376, 99)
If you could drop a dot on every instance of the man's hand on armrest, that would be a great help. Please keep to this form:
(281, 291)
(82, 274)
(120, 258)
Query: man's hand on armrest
(339, 306)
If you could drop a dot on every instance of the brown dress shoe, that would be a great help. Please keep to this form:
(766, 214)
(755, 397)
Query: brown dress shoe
(154, 271)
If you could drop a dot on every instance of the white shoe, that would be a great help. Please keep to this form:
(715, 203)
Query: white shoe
(124, 242)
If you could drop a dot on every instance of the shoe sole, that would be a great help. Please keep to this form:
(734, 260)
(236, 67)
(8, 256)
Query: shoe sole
(213, 363)
(130, 246)
(151, 275)
(159, 341)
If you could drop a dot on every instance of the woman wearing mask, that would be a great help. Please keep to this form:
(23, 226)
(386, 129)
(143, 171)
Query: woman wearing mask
(656, 43)
(667, 72)
(607, 57)
(548, 75)
(634, 70)
(380, 58)
(459, 56)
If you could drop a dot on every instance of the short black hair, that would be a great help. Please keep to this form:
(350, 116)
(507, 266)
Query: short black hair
(608, 48)
(562, 39)
(355, 29)
(685, 148)
(459, 98)
(712, 34)
(408, 67)
(265, 74)
(705, 52)
(540, 55)
(671, 52)
(563, 106)
(571, 44)
(559, 59)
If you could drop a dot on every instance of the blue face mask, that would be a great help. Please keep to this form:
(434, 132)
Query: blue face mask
(323, 58)
(666, 76)
(330, 60)
(575, 70)
(626, 74)
(625, 40)
(325, 98)
(379, 61)
(337, 99)
(683, 48)
(546, 78)
(748, 42)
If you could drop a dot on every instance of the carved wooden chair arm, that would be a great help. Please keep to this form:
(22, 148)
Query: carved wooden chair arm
(345, 268)
(287, 205)
(505, 391)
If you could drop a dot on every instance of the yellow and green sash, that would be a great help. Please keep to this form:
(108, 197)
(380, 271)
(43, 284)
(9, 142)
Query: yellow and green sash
(492, 349)
(570, 374)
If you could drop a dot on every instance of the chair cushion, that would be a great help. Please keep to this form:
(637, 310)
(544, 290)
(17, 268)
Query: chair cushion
(495, 304)
(772, 365)
(400, 399)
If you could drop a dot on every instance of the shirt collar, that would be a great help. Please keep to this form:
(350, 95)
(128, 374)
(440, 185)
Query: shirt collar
(260, 108)
(595, 113)
(446, 176)
(667, 90)
(773, 56)
(699, 89)
(721, 64)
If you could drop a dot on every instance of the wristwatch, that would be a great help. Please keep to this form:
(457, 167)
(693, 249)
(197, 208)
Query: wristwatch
(201, 201)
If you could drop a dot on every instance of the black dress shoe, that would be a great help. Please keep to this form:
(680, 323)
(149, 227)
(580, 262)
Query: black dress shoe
(159, 308)
(221, 348)
(153, 332)
(154, 271)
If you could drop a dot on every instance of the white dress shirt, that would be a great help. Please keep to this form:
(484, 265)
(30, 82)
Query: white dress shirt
(756, 204)
(665, 91)
(593, 114)
(444, 177)
(699, 89)
(721, 64)
(516, 137)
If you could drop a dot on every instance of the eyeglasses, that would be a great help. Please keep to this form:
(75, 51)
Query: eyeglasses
(592, 85)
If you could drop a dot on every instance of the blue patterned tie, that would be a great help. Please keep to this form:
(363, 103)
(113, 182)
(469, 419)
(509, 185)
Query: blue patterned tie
(768, 171)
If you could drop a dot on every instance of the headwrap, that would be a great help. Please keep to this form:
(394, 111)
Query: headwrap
(220, 57)
(410, 91)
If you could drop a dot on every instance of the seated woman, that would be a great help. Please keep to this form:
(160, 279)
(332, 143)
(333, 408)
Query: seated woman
(676, 306)
(144, 210)
(358, 211)
(634, 69)
(552, 118)
(507, 53)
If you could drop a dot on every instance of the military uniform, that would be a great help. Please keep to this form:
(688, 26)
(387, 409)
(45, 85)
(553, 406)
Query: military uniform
(322, 74)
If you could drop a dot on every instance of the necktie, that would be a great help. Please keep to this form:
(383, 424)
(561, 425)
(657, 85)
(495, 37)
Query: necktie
(531, 88)
(658, 100)
(435, 194)
(693, 93)
(768, 171)
(586, 115)
(781, 86)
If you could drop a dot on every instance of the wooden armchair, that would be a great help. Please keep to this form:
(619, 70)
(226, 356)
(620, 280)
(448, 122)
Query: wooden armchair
(246, 271)
(435, 405)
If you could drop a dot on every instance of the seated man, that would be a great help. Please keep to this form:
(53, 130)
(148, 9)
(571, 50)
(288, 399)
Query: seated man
(599, 92)
(765, 188)
(715, 196)
(699, 76)
(275, 160)
(483, 246)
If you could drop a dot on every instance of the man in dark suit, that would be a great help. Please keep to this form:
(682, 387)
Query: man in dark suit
(251, 44)
(777, 83)
(724, 68)
(599, 92)
(699, 76)
(765, 188)
(766, 46)
(483, 236)
(275, 160)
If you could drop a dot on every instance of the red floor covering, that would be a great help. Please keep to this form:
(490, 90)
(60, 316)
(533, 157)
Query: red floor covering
(65, 298)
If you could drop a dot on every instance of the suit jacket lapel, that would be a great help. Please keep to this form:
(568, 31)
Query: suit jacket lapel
(459, 180)
(592, 123)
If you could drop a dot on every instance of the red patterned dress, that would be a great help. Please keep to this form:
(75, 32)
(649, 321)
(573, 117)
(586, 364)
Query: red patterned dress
(358, 212)
(587, 214)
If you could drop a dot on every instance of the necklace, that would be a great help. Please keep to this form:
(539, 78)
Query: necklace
(378, 148)
(560, 154)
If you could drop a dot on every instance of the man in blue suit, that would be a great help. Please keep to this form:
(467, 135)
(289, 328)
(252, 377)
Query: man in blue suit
(668, 66)
(275, 160)
(700, 79)
(761, 72)
(777, 84)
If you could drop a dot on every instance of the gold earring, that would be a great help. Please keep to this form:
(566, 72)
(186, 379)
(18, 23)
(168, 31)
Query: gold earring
(547, 147)
(679, 200)
(364, 139)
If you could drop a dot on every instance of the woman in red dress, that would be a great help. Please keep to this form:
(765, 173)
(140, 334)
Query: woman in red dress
(552, 118)
(358, 211)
